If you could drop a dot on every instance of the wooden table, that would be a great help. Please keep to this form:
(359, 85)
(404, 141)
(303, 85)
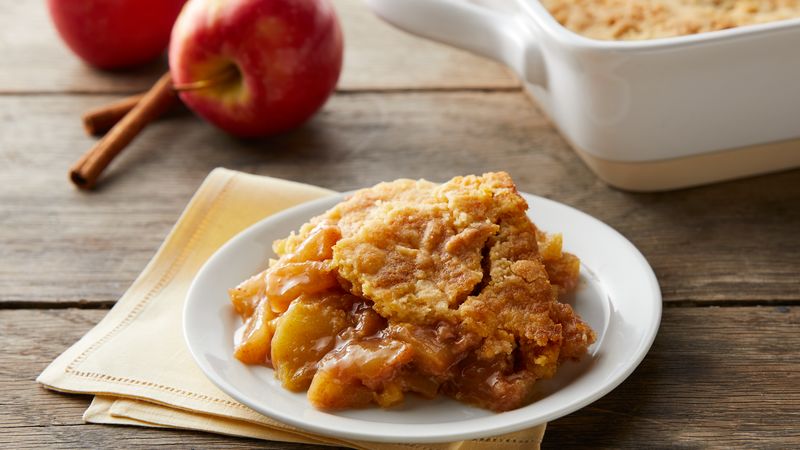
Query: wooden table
(723, 372)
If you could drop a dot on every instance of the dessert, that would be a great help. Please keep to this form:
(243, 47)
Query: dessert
(412, 286)
(650, 19)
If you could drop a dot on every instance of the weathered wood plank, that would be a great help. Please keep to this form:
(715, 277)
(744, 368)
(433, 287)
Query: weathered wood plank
(92, 436)
(377, 57)
(32, 417)
(30, 340)
(716, 377)
(734, 241)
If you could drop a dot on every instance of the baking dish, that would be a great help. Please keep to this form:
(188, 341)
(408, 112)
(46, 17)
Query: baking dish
(643, 115)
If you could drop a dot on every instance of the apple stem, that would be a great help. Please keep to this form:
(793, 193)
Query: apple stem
(229, 74)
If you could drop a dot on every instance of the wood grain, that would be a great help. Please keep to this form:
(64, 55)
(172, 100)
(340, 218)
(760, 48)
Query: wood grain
(731, 242)
(92, 436)
(377, 57)
(715, 378)
(33, 417)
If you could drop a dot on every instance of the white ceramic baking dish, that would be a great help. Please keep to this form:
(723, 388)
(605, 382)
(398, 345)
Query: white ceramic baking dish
(643, 115)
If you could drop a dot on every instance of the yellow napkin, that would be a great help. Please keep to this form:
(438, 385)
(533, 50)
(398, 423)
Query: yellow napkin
(135, 360)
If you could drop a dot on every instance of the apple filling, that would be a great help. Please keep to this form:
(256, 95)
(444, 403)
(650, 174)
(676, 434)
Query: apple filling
(413, 287)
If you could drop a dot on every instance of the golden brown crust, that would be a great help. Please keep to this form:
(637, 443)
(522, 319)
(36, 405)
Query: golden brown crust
(650, 19)
(418, 256)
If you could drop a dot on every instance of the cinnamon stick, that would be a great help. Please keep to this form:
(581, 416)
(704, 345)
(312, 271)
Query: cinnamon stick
(98, 121)
(155, 102)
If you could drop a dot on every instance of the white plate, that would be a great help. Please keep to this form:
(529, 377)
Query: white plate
(619, 297)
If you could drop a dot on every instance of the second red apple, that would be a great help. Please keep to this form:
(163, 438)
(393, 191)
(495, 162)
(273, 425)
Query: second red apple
(113, 34)
(256, 67)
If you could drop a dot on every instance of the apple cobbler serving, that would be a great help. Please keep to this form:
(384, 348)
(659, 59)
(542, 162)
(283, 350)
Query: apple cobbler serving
(412, 286)
(650, 19)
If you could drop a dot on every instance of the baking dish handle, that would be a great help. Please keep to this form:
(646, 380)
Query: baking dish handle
(500, 36)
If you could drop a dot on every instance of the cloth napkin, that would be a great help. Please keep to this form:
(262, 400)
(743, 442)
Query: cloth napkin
(135, 360)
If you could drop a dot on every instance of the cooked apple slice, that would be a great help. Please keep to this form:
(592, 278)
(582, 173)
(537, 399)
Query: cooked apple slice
(305, 333)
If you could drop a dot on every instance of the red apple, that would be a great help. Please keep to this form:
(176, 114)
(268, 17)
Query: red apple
(256, 67)
(112, 34)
